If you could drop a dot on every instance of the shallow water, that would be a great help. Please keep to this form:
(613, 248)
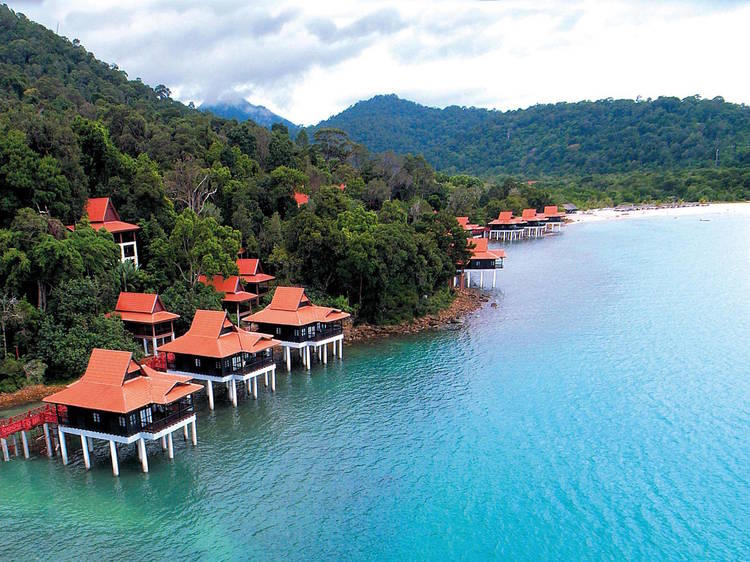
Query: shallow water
(602, 410)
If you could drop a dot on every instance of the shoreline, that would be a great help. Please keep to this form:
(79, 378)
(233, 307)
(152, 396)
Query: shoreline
(28, 395)
(466, 302)
(610, 214)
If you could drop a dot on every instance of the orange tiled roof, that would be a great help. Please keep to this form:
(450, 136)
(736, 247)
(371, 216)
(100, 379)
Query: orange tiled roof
(212, 335)
(115, 382)
(251, 272)
(230, 286)
(480, 250)
(301, 198)
(143, 308)
(531, 215)
(291, 307)
(552, 211)
(102, 214)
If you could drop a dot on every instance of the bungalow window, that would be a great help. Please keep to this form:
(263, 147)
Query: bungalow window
(278, 330)
(97, 417)
(121, 421)
(197, 362)
(236, 362)
(304, 332)
(133, 420)
(145, 417)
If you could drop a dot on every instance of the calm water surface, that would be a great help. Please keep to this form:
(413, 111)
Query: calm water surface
(601, 411)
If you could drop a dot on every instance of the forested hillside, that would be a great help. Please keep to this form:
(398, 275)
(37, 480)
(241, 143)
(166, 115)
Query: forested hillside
(200, 188)
(242, 110)
(607, 136)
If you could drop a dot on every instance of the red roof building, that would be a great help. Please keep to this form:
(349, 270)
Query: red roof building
(301, 198)
(536, 223)
(146, 318)
(252, 275)
(506, 227)
(300, 324)
(215, 350)
(102, 214)
(235, 297)
(482, 259)
(476, 231)
(121, 400)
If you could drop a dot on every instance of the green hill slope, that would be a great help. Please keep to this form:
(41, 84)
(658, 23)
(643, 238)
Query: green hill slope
(565, 138)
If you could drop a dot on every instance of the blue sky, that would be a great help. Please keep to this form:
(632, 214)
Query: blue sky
(308, 60)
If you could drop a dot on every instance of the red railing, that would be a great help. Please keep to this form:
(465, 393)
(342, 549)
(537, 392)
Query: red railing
(29, 420)
(157, 362)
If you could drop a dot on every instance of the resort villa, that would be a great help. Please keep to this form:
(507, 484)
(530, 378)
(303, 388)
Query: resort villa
(102, 214)
(122, 401)
(554, 218)
(506, 227)
(482, 260)
(216, 351)
(300, 324)
(474, 230)
(536, 224)
(146, 318)
(301, 198)
(236, 299)
(251, 273)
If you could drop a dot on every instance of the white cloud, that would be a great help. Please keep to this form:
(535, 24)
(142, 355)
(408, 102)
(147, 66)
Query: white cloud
(307, 61)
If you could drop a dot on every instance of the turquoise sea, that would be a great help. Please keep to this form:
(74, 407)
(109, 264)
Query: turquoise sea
(600, 411)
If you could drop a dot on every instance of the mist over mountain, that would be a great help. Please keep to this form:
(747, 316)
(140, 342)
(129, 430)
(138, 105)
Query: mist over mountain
(242, 110)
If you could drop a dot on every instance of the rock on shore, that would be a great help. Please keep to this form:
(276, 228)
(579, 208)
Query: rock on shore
(466, 301)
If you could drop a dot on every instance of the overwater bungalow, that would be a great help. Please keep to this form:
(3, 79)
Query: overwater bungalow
(506, 227)
(251, 273)
(483, 260)
(119, 400)
(554, 218)
(474, 230)
(536, 224)
(102, 214)
(216, 351)
(300, 324)
(236, 300)
(146, 319)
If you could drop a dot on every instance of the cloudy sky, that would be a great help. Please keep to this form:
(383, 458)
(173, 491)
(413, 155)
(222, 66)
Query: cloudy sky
(309, 60)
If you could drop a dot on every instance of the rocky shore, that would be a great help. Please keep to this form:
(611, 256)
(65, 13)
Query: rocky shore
(466, 301)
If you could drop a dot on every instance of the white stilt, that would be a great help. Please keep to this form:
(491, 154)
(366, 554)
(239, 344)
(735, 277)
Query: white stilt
(481, 279)
(233, 391)
(265, 378)
(113, 454)
(210, 390)
(468, 278)
(163, 443)
(341, 348)
(307, 354)
(15, 444)
(90, 442)
(47, 441)
(63, 447)
(195, 433)
(185, 432)
(288, 354)
(494, 276)
(85, 449)
(25, 441)
(273, 379)
(255, 387)
(325, 354)
(170, 445)
(144, 458)
(4, 445)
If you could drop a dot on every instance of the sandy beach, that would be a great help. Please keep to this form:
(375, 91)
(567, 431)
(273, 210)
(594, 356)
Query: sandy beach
(703, 212)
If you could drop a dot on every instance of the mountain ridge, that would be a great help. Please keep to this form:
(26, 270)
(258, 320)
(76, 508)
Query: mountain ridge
(604, 136)
(242, 110)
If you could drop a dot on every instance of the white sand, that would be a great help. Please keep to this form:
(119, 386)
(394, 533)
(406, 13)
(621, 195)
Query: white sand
(706, 212)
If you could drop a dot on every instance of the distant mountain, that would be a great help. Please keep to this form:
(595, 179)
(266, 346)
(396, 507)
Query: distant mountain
(605, 136)
(243, 110)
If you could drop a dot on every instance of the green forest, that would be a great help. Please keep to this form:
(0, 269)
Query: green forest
(384, 246)
(626, 149)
